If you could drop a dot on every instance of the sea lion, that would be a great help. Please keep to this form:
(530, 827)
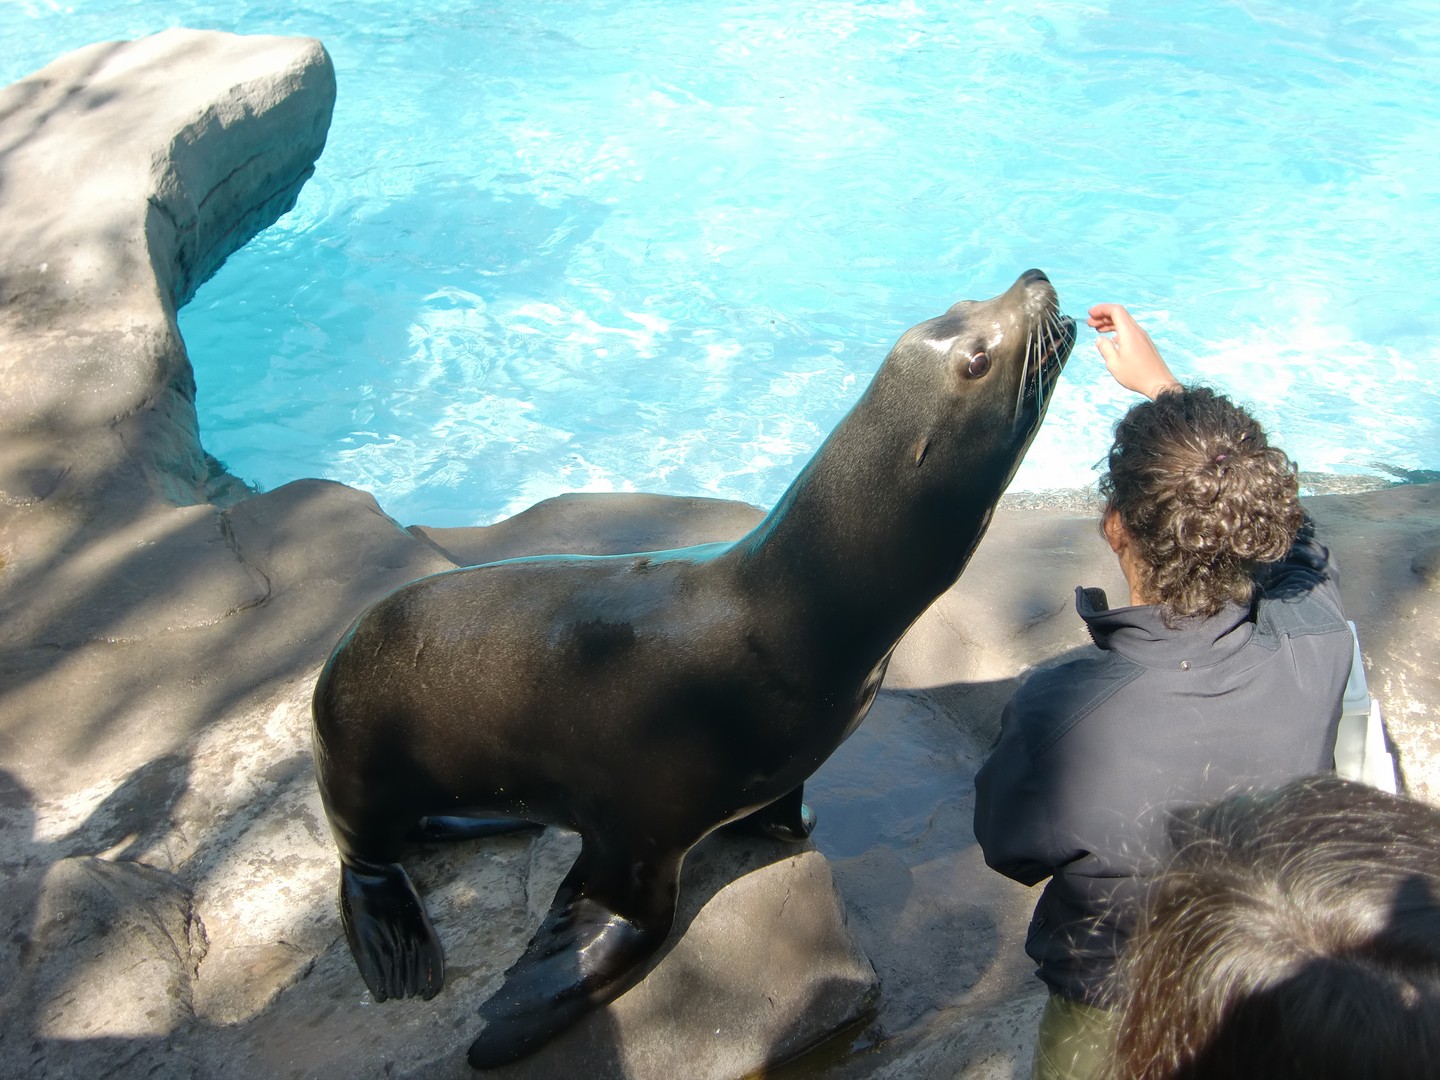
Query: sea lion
(646, 700)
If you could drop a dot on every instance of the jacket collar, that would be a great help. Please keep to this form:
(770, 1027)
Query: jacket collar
(1139, 633)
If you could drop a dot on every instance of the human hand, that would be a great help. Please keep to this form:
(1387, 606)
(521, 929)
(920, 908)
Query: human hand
(1130, 356)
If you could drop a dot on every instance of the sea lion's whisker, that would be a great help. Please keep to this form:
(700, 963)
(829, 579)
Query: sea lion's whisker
(1051, 336)
(1024, 377)
(1047, 344)
(1055, 337)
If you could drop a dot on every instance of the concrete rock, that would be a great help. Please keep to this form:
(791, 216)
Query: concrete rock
(230, 811)
(170, 152)
(113, 953)
(762, 968)
(608, 523)
(1386, 543)
(133, 580)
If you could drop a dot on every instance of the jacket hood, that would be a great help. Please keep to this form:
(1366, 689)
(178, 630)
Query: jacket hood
(1139, 633)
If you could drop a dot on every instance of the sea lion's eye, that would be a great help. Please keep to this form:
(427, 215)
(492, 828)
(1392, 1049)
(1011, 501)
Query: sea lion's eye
(979, 365)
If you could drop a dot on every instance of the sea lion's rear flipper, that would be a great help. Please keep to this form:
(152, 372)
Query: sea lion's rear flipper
(389, 931)
(604, 923)
(787, 818)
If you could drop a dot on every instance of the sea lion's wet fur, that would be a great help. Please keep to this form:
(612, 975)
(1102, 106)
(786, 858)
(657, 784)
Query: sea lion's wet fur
(645, 700)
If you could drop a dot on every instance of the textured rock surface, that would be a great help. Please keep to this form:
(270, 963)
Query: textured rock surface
(129, 171)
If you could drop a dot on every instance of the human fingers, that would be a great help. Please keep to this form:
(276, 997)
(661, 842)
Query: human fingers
(1133, 361)
(1106, 317)
(1109, 352)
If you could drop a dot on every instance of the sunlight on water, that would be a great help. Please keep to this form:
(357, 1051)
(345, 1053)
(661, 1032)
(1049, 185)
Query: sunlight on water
(662, 247)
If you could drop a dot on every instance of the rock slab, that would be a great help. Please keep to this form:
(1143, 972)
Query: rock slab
(129, 171)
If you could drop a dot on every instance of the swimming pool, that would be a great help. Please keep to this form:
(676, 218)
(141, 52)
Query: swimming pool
(661, 246)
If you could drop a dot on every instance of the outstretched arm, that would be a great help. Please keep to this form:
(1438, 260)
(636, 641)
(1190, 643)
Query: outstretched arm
(1013, 823)
(1130, 356)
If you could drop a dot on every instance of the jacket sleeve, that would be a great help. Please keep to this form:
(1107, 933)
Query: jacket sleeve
(1012, 812)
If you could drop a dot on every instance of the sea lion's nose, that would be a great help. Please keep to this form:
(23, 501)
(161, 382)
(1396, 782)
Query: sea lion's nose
(1029, 277)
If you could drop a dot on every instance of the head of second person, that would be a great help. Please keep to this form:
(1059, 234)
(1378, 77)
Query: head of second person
(1196, 501)
(1294, 936)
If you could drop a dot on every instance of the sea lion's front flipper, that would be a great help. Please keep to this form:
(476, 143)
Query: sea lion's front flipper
(610, 914)
(460, 827)
(787, 818)
(389, 931)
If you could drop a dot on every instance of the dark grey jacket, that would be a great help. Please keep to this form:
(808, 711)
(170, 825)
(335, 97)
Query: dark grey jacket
(1094, 753)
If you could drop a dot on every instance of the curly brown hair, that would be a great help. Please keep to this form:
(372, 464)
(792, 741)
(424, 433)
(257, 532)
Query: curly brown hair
(1205, 498)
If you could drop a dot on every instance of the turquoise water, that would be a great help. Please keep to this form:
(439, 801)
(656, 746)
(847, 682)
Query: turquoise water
(662, 246)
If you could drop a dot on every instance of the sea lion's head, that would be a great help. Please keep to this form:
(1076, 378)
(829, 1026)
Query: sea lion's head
(995, 364)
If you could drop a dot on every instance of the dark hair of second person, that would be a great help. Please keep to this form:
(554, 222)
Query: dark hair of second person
(1295, 934)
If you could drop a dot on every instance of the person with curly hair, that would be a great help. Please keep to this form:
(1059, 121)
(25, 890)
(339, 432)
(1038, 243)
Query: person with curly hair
(1294, 935)
(1226, 669)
